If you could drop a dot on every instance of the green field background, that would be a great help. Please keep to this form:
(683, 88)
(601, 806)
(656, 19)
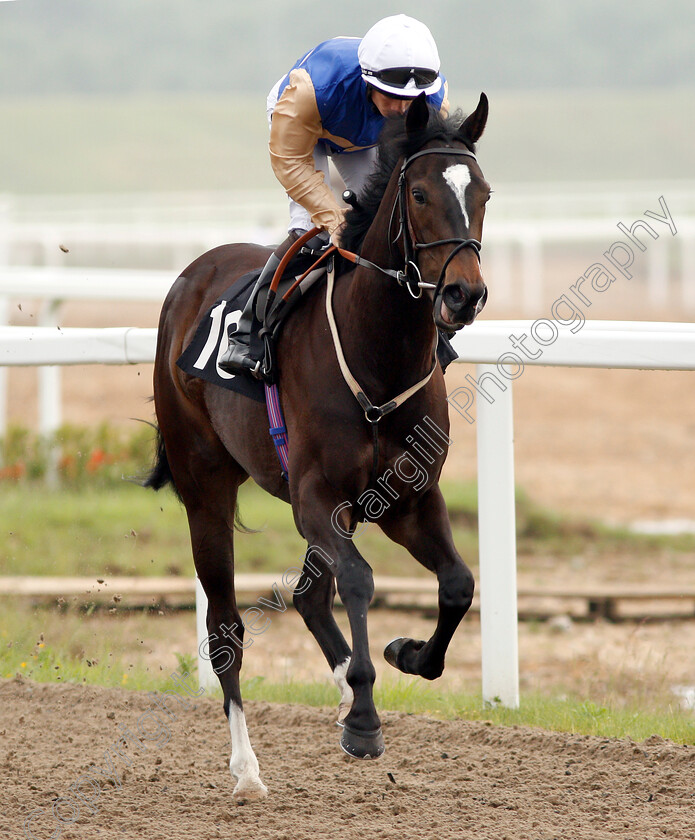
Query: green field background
(180, 142)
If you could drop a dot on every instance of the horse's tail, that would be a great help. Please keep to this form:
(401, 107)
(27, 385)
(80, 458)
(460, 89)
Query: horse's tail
(160, 474)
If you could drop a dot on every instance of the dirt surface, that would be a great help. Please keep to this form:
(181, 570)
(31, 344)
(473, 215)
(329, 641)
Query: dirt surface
(437, 780)
(610, 444)
(616, 445)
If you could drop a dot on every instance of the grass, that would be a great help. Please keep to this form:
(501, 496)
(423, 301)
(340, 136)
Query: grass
(67, 662)
(123, 651)
(97, 524)
(78, 532)
(47, 647)
(134, 143)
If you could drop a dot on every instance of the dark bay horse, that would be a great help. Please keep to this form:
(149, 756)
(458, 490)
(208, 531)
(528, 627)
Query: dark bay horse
(420, 221)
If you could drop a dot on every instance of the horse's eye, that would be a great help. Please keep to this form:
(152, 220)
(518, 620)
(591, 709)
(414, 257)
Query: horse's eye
(418, 195)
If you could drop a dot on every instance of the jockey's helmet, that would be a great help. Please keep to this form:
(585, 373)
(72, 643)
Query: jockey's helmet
(399, 57)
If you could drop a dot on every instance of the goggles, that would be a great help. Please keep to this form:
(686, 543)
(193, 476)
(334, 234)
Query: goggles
(399, 77)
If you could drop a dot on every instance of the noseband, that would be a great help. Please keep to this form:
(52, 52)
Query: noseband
(411, 274)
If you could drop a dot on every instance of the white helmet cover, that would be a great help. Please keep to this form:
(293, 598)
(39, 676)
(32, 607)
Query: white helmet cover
(399, 41)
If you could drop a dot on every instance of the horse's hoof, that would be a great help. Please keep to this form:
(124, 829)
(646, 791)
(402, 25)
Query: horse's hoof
(392, 650)
(249, 790)
(403, 655)
(397, 651)
(362, 744)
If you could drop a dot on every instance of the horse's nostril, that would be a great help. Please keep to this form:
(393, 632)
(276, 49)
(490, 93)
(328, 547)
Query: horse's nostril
(455, 297)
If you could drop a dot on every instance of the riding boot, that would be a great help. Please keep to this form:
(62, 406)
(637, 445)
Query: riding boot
(238, 357)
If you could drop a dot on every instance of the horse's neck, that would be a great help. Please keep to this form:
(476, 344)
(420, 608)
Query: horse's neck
(388, 337)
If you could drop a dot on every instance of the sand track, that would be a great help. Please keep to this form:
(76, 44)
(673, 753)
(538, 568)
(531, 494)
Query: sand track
(438, 779)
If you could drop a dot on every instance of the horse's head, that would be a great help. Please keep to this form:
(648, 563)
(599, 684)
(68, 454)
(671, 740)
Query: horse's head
(442, 196)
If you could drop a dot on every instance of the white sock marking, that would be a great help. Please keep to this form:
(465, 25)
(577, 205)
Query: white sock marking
(243, 763)
(458, 177)
(346, 695)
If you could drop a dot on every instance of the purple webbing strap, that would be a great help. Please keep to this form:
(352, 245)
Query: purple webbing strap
(278, 431)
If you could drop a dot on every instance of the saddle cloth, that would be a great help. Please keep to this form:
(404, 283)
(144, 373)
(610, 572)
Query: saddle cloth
(201, 357)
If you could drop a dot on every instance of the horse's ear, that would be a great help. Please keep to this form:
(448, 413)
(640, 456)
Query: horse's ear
(473, 126)
(418, 115)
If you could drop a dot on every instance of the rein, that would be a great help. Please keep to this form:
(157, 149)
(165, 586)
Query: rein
(372, 412)
(410, 274)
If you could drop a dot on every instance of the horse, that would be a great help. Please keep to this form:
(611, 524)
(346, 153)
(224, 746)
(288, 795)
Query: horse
(415, 235)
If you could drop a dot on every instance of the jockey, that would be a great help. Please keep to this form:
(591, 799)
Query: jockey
(333, 104)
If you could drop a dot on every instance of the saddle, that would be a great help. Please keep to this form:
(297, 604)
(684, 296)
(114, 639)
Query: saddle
(300, 269)
(297, 274)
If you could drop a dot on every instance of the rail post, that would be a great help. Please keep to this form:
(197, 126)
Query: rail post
(497, 539)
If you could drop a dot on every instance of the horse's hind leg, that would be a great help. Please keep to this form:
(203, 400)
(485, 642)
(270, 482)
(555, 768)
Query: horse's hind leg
(208, 483)
(426, 533)
(313, 598)
(211, 536)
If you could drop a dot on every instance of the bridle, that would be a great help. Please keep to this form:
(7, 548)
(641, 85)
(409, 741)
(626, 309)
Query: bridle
(411, 274)
(412, 279)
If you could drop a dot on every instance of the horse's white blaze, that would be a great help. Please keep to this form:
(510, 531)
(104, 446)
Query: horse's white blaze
(243, 763)
(346, 695)
(458, 177)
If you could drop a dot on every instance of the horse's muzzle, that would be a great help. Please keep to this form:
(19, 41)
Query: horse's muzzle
(457, 305)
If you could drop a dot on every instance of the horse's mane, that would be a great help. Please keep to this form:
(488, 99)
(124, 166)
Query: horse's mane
(394, 144)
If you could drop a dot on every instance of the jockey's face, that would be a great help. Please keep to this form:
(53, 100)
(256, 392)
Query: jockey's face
(389, 106)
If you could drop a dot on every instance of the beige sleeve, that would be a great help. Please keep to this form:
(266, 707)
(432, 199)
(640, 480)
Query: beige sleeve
(294, 131)
(444, 107)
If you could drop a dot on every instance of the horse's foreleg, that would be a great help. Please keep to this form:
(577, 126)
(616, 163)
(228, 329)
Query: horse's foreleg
(361, 737)
(313, 598)
(426, 533)
(211, 537)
